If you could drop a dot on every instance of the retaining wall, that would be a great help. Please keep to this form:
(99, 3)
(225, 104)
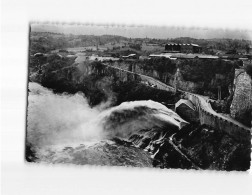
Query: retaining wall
(215, 120)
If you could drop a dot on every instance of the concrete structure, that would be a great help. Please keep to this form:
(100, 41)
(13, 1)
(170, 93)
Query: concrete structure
(187, 110)
(209, 117)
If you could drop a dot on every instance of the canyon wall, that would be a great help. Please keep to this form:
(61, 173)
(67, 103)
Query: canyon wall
(201, 77)
(241, 106)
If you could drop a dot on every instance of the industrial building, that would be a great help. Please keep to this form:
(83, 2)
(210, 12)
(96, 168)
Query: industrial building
(183, 48)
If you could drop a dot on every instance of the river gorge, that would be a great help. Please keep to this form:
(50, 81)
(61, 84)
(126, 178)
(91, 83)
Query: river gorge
(83, 114)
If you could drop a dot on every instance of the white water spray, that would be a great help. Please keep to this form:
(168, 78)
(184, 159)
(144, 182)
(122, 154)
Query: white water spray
(68, 119)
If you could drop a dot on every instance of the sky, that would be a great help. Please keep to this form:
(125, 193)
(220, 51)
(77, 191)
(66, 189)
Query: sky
(142, 31)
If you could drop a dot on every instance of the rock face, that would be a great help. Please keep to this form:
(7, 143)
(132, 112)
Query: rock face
(195, 146)
(212, 149)
(107, 153)
(242, 101)
(197, 76)
(180, 83)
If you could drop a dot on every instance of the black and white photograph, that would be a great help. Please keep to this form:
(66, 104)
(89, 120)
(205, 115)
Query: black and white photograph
(140, 96)
(114, 97)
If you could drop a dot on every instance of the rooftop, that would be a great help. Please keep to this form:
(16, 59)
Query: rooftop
(186, 102)
(196, 45)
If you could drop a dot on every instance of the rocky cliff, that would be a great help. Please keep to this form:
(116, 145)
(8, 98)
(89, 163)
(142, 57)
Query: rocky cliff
(206, 77)
(242, 101)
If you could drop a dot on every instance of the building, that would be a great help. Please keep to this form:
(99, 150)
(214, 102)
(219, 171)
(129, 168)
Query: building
(183, 48)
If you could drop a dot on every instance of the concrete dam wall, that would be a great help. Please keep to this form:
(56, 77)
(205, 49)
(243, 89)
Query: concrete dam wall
(209, 117)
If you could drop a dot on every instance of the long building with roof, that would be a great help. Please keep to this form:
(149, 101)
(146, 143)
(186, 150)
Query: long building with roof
(183, 48)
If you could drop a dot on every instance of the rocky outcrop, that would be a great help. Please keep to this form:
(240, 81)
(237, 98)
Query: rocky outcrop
(195, 146)
(102, 153)
(180, 83)
(242, 101)
(212, 149)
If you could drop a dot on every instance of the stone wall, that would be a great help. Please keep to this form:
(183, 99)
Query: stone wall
(238, 133)
(212, 119)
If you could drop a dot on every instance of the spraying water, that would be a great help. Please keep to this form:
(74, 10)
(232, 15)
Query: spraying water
(59, 119)
(67, 120)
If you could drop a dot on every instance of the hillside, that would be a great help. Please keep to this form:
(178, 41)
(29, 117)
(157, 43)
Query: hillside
(48, 41)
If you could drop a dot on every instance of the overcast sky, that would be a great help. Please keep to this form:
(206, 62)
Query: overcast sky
(143, 31)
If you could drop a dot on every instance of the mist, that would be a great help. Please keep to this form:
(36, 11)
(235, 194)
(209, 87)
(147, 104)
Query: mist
(59, 119)
(63, 119)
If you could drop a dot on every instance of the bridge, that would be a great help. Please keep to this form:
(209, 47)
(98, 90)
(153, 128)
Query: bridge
(207, 115)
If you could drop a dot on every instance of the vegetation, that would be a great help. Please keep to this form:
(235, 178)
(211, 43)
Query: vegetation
(61, 84)
(46, 41)
(132, 91)
(161, 65)
(197, 70)
(56, 62)
(213, 73)
(248, 68)
(135, 46)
